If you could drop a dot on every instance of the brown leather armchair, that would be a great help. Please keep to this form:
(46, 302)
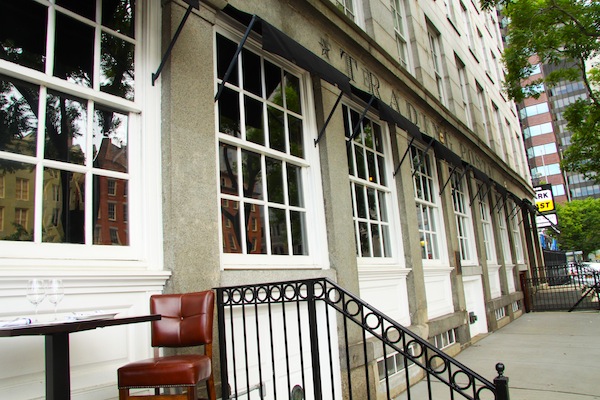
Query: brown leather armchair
(187, 320)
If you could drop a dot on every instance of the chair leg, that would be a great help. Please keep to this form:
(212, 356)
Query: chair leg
(123, 394)
(210, 388)
(192, 393)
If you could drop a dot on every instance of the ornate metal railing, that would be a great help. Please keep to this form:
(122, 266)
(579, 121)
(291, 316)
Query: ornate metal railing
(311, 339)
(563, 287)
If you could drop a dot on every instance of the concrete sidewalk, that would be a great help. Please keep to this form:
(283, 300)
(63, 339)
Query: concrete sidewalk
(548, 356)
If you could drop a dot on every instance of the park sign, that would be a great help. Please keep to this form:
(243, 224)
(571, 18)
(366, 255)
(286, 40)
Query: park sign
(544, 201)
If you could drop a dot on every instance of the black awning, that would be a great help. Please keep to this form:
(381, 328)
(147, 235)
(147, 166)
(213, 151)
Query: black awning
(390, 115)
(481, 176)
(276, 42)
(445, 153)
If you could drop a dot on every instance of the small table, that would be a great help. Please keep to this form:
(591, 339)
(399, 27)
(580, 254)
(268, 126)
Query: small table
(58, 378)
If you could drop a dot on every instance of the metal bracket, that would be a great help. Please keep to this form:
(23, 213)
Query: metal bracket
(192, 4)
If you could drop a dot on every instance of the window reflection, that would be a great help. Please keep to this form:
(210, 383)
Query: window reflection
(117, 77)
(66, 125)
(74, 66)
(26, 47)
(17, 200)
(110, 139)
(18, 116)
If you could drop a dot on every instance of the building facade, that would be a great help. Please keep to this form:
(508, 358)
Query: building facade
(365, 141)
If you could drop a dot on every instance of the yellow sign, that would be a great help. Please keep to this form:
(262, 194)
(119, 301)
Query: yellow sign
(544, 200)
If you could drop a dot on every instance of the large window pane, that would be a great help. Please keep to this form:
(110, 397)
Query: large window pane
(18, 201)
(116, 66)
(66, 129)
(64, 207)
(110, 211)
(110, 140)
(118, 15)
(74, 66)
(26, 47)
(18, 116)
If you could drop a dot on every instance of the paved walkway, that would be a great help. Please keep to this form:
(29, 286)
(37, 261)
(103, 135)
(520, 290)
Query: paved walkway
(548, 356)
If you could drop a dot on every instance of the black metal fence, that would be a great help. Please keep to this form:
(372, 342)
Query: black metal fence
(311, 339)
(563, 287)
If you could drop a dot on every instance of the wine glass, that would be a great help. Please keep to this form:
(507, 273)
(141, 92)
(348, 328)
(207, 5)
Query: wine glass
(55, 292)
(36, 291)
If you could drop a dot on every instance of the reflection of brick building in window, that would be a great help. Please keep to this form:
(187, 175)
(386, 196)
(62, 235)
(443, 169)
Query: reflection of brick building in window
(231, 227)
(110, 213)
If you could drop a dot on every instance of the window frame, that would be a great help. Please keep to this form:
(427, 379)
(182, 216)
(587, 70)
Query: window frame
(143, 114)
(395, 242)
(463, 215)
(433, 205)
(310, 167)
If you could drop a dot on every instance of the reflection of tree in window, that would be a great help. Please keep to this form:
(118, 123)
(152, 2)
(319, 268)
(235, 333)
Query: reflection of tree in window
(65, 115)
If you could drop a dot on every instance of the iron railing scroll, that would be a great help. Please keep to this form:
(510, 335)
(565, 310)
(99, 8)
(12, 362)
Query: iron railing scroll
(299, 340)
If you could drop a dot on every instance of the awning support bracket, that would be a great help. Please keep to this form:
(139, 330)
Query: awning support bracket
(322, 131)
(489, 187)
(192, 4)
(356, 130)
(234, 59)
(412, 139)
(449, 178)
(424, 153)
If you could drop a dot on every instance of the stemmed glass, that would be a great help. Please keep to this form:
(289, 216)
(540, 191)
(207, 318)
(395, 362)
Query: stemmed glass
(36, 291)
(55, 293)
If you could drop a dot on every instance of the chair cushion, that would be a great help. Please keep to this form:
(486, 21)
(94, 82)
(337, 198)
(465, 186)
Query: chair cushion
(177, 370)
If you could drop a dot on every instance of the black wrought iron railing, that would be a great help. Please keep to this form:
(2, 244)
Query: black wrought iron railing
(563, 287)
(311, 339)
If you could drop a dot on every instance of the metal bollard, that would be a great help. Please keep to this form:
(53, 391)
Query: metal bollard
(501, 383)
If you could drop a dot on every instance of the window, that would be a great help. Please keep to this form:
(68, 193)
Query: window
(467, 26)
(112, 212)
(464, 91)
(545, 170)
(87, 98)
(436, 59)
(425, 188)
(536, 130)
(558, 190)
(395, 363)
(347, 7)
(402, 42)
(266, 186)
(500, 313)
(462, 214)
(21, 217)
(504, 238)
(21, 189)
(499, 140)
(542, 150)
(484, 114)
(535, 109)
(371, 196)
(486, 225)
(112, 187)
(516, 232)
(445, 339)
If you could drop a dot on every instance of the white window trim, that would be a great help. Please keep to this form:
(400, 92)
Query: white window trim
(396, 247)
(145, 227)
(442, 262)
(313, 198)
(468, 219)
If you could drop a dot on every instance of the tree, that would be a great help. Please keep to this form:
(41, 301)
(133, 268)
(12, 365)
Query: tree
(566, 35)
(578, 221)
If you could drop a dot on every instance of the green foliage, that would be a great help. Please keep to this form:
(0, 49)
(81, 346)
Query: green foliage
(566, 35)
(579, 223)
